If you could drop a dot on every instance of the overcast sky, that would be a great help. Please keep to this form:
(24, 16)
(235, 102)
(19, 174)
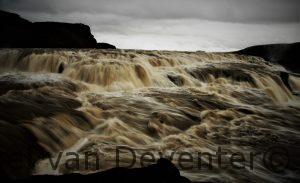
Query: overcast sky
(211, 25)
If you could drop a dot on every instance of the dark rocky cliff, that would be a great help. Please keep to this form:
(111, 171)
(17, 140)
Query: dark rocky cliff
(17, 32)
(287, 55)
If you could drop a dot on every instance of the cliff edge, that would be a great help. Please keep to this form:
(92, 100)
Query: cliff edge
(17, 32)
(287, 55)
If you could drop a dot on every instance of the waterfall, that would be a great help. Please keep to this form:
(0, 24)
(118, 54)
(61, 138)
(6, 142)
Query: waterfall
(159, 101)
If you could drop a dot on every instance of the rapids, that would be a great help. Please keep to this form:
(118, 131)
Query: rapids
(161, 102)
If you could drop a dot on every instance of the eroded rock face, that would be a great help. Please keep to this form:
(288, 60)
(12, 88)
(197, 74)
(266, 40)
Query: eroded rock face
(287, 55)
(17, 32)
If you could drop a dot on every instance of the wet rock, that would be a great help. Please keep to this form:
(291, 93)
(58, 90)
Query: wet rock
(177, 80)
(19, 151)
(163, 171)
(61, 68)
(236, 74)
(9, 82)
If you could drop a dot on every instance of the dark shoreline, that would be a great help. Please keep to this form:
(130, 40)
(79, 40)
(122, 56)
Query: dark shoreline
(163, 171)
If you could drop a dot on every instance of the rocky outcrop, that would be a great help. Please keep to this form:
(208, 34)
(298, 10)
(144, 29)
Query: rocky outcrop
(19, 150)
(287, 55)
(17, 32)
(105, 46)
(161, 172)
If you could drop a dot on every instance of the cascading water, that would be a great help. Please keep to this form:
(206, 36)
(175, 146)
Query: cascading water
(151, 101)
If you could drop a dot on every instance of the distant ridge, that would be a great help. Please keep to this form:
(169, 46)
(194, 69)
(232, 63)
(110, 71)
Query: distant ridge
(287, 55)
(17, 32)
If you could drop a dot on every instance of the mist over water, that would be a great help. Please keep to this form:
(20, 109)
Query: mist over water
(152, 101)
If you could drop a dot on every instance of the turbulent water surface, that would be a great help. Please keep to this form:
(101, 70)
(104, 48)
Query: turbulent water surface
(155, 102)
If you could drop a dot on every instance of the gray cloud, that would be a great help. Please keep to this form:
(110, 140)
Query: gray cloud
(210, 25)
(220, 10)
